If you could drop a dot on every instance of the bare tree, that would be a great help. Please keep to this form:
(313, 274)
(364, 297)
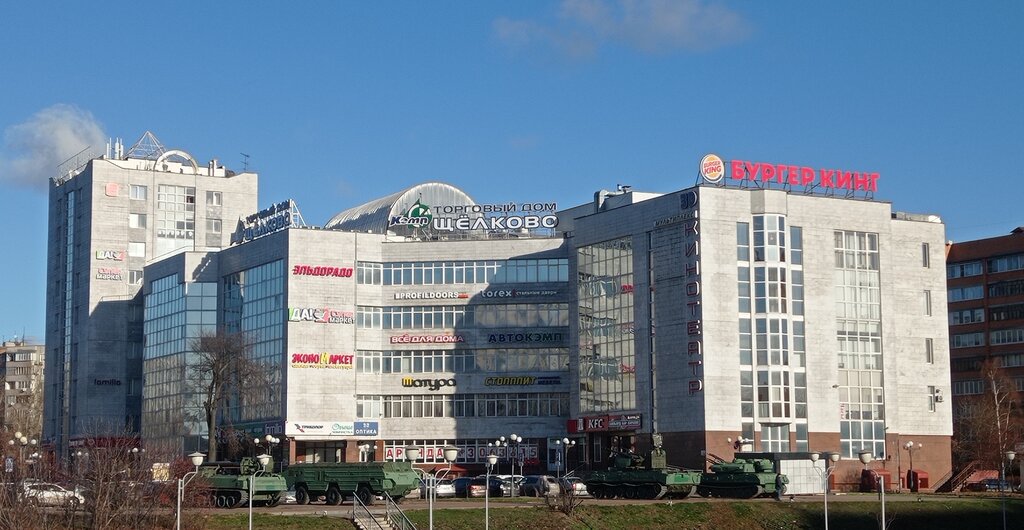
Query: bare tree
(224, 371)
(991, 423)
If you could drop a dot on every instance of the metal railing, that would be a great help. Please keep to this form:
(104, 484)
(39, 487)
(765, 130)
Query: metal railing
(395, 516)
(362, 517)
(959, 479)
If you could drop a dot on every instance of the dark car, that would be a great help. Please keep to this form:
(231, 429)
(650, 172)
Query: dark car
(499, 487)
(461, 486)
(989, 484)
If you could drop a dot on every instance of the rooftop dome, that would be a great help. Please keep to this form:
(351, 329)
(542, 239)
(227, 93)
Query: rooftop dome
(375, 216)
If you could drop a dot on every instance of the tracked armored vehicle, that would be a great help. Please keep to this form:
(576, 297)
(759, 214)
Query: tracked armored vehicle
(631, 477)
(743, 478)
(229, 483)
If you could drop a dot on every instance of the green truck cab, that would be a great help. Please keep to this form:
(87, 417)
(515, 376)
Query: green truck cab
(335, 481)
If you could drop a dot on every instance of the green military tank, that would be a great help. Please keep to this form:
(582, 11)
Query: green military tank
(335, 481)
(631, 477)
(229, 483)
(743, 478)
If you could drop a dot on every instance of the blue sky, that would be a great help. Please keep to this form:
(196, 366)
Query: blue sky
(341, 102)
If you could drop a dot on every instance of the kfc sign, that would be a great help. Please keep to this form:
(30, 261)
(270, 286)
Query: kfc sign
(619, 422)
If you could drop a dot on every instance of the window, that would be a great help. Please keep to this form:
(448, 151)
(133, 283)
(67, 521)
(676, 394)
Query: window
(137, 192)
(213, 226)
(932, 398)
(1009, 288)
(925, 258)
(137, 220)
(213, 198)
(1005, 312)
(134, 276)
(1007, 336)
(971, 292)
(929, 351)
(967, 340)
(966, 316)
(964, 388)
(136, 249)
(927, 302)
(963, 270)
(1006, 263)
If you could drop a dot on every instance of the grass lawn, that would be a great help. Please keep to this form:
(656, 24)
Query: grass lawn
(946, 514)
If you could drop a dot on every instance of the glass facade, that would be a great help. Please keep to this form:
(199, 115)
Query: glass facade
(463, 272)
(859, 335)
(175, 218)
(607, 365)
(175, 313)
(773, 378)
(254, 303)
(523, 404)
(463, 361)
(462, 316)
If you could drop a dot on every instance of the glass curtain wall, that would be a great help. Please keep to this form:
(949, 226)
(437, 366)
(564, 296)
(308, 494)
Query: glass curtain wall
(606, 329)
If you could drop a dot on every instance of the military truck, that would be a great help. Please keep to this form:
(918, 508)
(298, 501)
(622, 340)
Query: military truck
(335, 481)
(229, 483)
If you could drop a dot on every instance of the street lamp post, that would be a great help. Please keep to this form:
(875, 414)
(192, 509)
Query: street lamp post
(514, 444)
(865, 458)
(912, 477)
(412, 454)
(263, 459)
(364, 452)
(829, 457)
(491, 460)
(563, 454)
(1010, 455)
(197, 460)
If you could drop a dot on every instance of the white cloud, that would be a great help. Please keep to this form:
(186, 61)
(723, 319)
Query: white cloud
(32, 150)
(581, 27)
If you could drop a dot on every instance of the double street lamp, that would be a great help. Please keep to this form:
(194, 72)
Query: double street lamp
(491, 460)
(564, 444)
(865, 458)
(197, 460)
(263, 460)
(412, 454)
(829, 457)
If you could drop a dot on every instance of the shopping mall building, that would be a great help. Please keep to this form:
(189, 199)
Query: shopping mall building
(793, 312)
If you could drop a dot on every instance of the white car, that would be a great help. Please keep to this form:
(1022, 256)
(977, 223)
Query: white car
(45, 494)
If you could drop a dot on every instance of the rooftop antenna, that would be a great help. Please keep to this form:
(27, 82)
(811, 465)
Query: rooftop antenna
(245, 162)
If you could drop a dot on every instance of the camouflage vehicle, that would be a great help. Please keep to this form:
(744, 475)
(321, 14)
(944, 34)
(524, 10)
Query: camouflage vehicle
(229, 483)
(630, 477)
(335, 481)
(743, 478)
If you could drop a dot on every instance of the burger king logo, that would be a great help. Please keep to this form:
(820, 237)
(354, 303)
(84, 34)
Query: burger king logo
(712, 168)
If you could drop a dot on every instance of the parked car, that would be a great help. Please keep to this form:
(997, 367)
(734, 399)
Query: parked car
(989, 484)
(46, 494)
(576, 484)
(499, 487)
(539, 485)
(445, 488)
(462, 486)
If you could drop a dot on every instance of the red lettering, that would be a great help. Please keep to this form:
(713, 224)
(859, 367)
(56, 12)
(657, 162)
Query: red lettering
(767, 172)
(794, 175)
(737, 169)
(751, 168)
(806, 175)
(844, 179)
(826, 178)
(874, 182)
(860, 181)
